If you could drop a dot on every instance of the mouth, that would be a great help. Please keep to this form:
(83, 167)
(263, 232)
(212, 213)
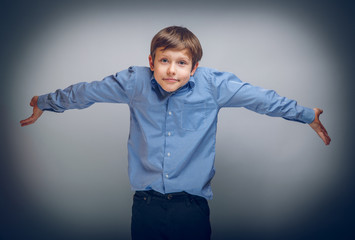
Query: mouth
(171, 80)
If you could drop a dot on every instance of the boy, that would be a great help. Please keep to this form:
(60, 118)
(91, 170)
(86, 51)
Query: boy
(174, 106)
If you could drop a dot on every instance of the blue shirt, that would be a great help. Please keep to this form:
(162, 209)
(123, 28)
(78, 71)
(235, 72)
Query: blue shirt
(171, 145)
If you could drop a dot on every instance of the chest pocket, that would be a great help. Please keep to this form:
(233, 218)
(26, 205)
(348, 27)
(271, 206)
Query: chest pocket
(193, 116)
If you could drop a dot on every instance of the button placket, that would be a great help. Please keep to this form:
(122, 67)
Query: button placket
(168, 134)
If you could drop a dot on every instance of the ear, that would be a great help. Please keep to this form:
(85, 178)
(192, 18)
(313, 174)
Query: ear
(194, 69)
(151, 63)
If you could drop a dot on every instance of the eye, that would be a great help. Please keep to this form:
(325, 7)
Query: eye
(164, 60)
(182, 63)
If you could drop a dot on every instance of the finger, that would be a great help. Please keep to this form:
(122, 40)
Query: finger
(326, 140)
(325, 137)
(27, 121)
(324, 131)
(323, 128)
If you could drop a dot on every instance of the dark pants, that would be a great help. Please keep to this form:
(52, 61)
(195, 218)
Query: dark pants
(170, 216)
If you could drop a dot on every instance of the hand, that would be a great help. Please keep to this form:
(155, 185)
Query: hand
(36, 113)
(319, 128)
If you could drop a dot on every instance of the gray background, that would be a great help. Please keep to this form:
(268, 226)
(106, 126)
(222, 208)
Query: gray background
(65, 177)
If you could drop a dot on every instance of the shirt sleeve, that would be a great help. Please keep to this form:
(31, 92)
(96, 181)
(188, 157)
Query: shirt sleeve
(230, 91)
(116, 88)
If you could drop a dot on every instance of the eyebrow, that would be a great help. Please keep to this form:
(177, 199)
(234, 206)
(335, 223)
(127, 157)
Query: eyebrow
(185, 58)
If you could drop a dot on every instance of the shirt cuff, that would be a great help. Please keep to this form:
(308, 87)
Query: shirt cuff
(308, 115)
(41, 103)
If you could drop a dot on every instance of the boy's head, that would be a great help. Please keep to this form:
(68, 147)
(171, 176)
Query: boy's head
(174, 56)
(178, 38)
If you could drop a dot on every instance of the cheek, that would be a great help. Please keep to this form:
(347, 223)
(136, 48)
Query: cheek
(186, 75)
(157, 73)
(158, 70)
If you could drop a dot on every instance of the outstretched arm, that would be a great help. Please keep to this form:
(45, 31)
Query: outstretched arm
(36, 113)
(319, 128)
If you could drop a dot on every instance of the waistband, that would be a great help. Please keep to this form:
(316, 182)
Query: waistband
(168, 196)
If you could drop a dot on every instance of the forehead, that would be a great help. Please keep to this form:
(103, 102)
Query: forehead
(174, 52)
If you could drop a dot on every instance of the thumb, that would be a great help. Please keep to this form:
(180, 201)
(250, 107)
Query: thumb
(33, 101)
(318, 112)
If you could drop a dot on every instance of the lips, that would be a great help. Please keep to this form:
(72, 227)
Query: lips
(172, 80)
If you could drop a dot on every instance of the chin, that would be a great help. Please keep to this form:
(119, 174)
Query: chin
(170, 89)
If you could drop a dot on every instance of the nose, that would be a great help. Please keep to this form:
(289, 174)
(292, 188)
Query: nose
(171, 69)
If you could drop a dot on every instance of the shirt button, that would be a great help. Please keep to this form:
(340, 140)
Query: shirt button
(170, 113)
(169, 133)
(167, 176)
(168, 154)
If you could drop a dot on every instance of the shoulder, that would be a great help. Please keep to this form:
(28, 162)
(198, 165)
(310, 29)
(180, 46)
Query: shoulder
(203, 71)
(141, 76)
(138, 70)
(210, 72)
(214, 76)
(203, 74)
(133, 74)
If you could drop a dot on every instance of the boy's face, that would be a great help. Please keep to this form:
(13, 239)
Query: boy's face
(172, 68)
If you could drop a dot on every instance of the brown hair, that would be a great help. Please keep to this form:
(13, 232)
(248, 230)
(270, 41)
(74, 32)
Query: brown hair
(178, 38)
